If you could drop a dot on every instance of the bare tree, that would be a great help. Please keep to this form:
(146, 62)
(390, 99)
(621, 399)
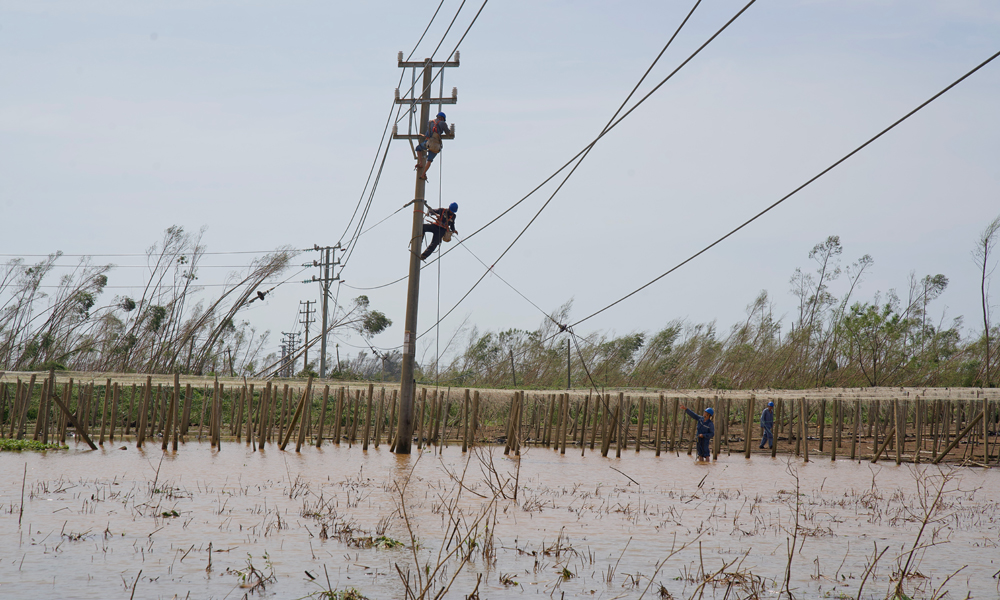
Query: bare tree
(982, 254)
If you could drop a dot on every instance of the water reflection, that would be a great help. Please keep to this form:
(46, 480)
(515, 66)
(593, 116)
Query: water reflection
(582, 526)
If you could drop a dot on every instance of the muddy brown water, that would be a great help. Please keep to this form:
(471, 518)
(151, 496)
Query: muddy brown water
(579, 527)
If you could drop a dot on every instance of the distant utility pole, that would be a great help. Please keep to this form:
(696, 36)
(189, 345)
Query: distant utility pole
(326, 263)
(307, 317)
(289, 348)
(407, 383)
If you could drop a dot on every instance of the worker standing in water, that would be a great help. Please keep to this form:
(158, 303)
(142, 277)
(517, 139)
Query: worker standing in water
(431, 144)
(442, 227)
(705, 432)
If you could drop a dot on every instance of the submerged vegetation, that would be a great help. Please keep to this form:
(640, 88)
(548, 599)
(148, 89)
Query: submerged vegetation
(12, 445)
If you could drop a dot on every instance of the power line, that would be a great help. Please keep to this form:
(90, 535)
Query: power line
(793, 192)
(385, 129)
(354, 239)
(611, 124)
(93, 255)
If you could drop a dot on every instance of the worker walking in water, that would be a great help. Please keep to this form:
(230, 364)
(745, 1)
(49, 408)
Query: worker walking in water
(442, 227)
(431, 144)
(767, 425)
(706, 431)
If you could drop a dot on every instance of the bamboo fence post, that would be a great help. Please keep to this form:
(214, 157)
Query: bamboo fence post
(322, 416)
(985, 429)
(595, 419)
(147, 391)
(641, 422)
(958, 438)
(174, 417)
(899, 415)
(750, 417)
(338, 415)
(420, 419)
(918, 417)
(304, 401)
(217, 414)
(236, 427)
(249, 427)
(673, 424)
(475, 419)
(262, 406)
(69, 416)
(822, 422)
(583, 425)
(518, 403)
(40, 416)
(619, 417)
(836, 428)
(509, 431)
(608, 414)
(104, 413)
(62, 422)
(855, 428)
(565, 428)
(355, 418)
(186, 418)
(717, 440)
(659, 426)
(804, 425)
(380, 419)
(168, 417)
(889, 436)
(466, 418)
(368, 415)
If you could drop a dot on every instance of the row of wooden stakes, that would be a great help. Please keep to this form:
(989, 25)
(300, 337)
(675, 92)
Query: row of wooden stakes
(913, 430)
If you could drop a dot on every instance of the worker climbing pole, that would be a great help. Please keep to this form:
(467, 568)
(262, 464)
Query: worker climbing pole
(407, 384)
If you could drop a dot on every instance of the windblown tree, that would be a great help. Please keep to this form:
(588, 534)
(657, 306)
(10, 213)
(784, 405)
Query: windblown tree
(983, 255)
(172, 326)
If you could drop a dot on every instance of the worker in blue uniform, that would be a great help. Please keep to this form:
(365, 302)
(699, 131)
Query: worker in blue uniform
(444, 222)
(431, 144)
(767, 425)
(705, 431)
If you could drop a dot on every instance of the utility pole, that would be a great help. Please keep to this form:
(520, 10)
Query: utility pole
(407, 384)
(326, 263)
(307, 314)
(569, 371)
(288, 349)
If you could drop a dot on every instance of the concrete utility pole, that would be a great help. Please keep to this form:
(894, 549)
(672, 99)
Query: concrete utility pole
(308, 318)
(290, 347)
(407, 383)
(326, 263)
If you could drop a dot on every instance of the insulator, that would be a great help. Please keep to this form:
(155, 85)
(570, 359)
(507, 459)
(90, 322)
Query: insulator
(395, 129)
(399, 57)
(396, 95)
(457, 56)
(454, 94)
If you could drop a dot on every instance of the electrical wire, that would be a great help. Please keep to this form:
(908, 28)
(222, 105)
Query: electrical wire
(116, 255)
(792, 193)
(386, 129)
(611, 124)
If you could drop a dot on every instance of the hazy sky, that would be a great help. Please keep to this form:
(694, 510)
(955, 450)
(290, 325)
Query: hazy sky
(260, 121)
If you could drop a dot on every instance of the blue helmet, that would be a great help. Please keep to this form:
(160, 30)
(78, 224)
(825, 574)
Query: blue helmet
(453, 207)
(442, 117)
(771, 404)
(710, 411)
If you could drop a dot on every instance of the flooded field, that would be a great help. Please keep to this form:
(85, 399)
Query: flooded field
(200, 523)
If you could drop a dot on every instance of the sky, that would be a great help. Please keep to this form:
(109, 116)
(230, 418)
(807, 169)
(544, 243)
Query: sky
(260, 121)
